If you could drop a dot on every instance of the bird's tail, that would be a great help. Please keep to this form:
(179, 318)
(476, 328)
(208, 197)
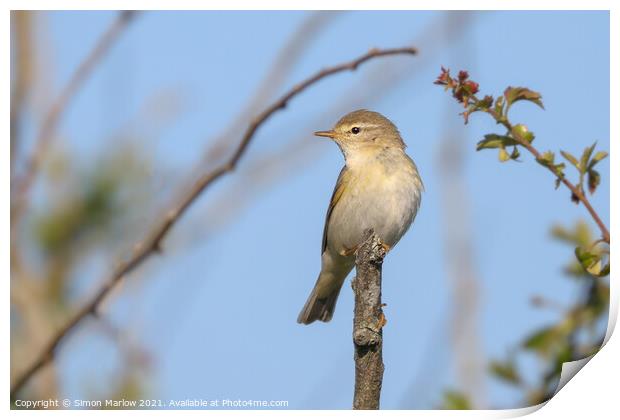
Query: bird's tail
(322, 301)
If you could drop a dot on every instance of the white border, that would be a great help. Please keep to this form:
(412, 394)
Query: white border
(593, 392)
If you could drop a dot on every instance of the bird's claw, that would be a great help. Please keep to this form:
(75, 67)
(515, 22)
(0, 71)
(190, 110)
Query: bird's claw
(382, 320)
(347, 252)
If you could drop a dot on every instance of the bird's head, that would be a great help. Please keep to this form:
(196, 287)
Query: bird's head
(364, 130)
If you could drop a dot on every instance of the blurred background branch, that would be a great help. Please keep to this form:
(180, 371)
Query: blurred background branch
(461, 260)
(55, 112)
(64, 234)
(22, 39)
(288, 56)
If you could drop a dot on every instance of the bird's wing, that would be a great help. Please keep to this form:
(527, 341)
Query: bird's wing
(336, 195)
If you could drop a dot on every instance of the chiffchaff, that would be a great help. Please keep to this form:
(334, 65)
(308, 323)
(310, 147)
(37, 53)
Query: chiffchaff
(379, 188)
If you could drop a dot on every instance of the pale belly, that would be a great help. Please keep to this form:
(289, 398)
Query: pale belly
(387, 204)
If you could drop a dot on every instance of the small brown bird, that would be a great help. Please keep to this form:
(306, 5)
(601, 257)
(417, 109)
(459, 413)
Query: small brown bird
(379, 187)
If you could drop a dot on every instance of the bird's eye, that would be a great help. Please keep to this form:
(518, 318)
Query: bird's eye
(355, 130)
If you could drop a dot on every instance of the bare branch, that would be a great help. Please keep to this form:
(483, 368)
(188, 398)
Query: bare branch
(60, 105)
(21, 80)
(368, 322)
(152, 244)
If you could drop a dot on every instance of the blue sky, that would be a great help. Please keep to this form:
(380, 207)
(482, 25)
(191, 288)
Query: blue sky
(217, 312)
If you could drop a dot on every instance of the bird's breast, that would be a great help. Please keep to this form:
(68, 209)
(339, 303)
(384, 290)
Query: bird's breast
(383, 194)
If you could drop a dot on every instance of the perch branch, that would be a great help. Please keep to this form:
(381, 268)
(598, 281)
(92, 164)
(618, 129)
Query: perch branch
(368, 322)
(152, 244)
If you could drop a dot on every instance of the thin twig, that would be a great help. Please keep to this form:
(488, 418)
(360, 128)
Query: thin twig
(368, 322)
(464, 91)
(58, 108)
(572, 187)
(153, 242)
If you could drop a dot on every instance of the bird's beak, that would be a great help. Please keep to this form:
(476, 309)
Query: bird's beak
(331, 134)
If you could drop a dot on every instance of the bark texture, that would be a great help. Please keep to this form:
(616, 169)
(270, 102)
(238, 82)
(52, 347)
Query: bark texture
(368, 324)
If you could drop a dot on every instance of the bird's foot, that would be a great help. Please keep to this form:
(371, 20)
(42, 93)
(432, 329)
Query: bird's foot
(382, 319)
(386, 247)
(347, 252)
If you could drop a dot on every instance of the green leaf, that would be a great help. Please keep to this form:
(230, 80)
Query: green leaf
(499, 106)
(494, 141)
(572, 159)
(586, 258)
(505, 371)
(503, 155)
(454, 400)
(514, 94)
(546, 159)
(521, 131)
(594, 180)
(579, 235)
(585, 158)
(559, 170)
(597, 158)
(596, 268)
(592, 263)
(515, 153)
(485, 103)
(561, 233)
(589, 261)
(542, 340)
